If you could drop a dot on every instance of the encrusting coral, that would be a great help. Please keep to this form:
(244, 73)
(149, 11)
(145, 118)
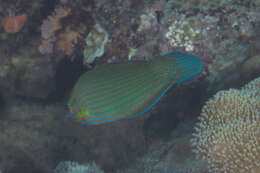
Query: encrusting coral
(228, 134)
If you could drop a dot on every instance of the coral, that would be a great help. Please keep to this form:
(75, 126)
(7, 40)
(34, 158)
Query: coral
(53, 24)
(228, 134)
(95, 44)
(253, 85)
(183, 33)
(67, 40)
(13, 24)
(46, 46)
(148, 24)
(49, 28)
(226, 31)
(74, 167)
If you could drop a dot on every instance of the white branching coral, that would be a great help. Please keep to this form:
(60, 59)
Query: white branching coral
(228, 133)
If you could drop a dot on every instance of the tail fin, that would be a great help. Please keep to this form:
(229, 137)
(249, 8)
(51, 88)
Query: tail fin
(188, 65)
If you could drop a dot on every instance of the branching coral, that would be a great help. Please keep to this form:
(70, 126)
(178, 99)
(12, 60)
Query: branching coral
(52, 24)
(228, 134)
(253, 85)
(67, 41)
(49, 28)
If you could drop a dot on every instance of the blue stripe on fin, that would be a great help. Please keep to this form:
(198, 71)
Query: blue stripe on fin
(136, 115)
(180, 54)
(190, 66)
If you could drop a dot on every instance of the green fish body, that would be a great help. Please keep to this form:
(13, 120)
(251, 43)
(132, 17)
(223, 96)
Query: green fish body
(128, 89)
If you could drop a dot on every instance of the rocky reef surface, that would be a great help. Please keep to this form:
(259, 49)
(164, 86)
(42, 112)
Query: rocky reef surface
(46, 45)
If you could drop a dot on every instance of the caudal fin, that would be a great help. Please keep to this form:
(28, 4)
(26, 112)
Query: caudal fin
(188, 65)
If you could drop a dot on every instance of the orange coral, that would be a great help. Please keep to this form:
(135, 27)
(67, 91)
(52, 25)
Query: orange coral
(14, 24)
(67, 40)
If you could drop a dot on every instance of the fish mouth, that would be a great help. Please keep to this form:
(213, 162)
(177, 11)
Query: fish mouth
(72, 111)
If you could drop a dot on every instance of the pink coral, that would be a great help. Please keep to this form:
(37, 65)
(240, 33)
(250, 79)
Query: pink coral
(46, 46)
(52, 23)
(49, 28)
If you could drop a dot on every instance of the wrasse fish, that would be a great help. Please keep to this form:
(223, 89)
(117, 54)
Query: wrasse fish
(128, 89)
